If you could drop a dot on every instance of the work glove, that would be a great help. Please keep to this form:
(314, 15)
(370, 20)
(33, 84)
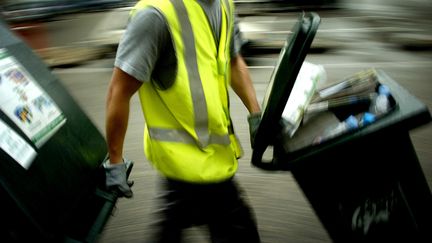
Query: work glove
(254, 120)
(116, 177)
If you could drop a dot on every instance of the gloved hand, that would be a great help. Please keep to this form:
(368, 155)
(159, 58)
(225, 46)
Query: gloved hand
(254, 120)
(116, 177)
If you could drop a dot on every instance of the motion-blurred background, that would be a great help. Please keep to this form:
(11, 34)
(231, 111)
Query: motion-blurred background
(73, 31)
(77, 39)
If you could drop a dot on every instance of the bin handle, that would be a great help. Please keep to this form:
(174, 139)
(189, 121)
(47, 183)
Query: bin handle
(263, 139)
(265, 165)
(269, 165)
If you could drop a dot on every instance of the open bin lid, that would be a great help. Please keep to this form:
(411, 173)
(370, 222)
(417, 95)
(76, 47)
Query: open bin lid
(281, 83)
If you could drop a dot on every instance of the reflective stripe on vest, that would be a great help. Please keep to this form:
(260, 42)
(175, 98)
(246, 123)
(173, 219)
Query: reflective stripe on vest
(181, 136)
(196, 90)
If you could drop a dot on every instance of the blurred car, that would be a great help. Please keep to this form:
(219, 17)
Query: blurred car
(66, 32)
(26, 10)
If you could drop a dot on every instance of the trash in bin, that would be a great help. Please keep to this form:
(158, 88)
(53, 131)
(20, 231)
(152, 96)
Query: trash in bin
(357, 101)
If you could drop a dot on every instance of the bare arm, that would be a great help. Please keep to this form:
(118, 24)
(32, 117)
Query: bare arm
(120, 90)
(241, 83)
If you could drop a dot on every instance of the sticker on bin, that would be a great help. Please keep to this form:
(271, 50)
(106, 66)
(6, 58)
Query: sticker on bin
(26, 103)
(15, 146)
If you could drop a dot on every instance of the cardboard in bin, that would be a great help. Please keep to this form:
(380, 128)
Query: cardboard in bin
(273, 129)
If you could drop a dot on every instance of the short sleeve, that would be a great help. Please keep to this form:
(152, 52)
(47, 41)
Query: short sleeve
(142, 43)
(236, 41)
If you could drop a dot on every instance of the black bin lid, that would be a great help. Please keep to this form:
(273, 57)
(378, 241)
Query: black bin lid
(281, 83)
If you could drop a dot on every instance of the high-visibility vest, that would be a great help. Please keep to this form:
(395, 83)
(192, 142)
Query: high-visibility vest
(188, 134)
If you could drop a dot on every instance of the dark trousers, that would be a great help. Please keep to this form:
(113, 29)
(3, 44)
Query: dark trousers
(218, 206)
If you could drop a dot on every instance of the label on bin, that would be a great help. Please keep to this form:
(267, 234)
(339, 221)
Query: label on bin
(15, 146)
(26, 103)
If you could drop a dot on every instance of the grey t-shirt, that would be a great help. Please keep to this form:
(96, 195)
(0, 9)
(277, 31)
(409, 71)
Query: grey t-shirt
(146, 51)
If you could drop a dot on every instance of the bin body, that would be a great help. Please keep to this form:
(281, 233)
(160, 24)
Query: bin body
(60, 196)
(377, 196)
(365, 185)
(368, 186)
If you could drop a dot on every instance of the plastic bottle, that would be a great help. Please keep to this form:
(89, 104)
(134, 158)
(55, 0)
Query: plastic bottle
(381, 104)
(348, 124)
(366, 119)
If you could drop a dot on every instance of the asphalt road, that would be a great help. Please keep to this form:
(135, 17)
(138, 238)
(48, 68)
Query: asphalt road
(346, 43)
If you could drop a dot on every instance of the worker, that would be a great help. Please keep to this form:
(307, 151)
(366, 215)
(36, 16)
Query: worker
(181, 57)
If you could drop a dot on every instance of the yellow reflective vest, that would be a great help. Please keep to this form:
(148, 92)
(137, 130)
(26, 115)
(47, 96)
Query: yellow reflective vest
(188, 134)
